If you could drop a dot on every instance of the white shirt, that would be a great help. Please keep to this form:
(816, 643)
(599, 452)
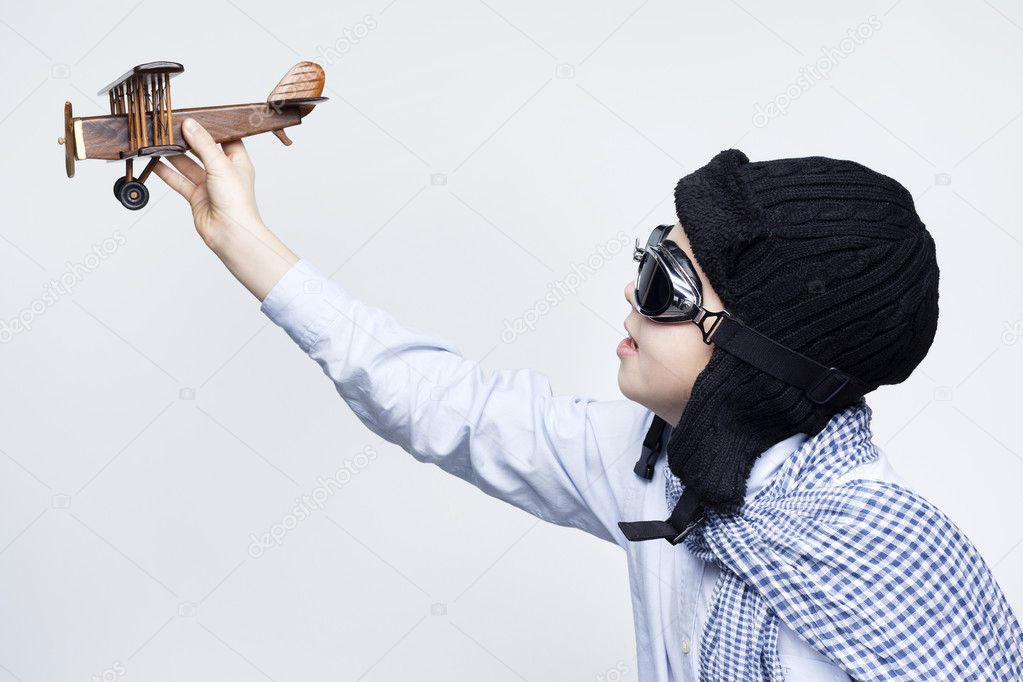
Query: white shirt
(565, 459)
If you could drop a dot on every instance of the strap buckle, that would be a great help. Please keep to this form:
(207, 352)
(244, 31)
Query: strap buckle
(644, 467)
(833, 380)
(693, 523)
(651, 450)
(715, 317)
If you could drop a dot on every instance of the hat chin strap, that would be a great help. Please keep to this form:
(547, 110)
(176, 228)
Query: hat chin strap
(822, 385)
(688, 512)
(687, 515)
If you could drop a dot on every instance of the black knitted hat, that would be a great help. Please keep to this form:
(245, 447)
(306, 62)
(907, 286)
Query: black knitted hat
(824, 256)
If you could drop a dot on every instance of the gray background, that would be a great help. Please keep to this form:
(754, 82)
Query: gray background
(472, 153)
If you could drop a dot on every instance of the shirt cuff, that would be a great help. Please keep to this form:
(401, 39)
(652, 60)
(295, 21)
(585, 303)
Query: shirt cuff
(304, 302)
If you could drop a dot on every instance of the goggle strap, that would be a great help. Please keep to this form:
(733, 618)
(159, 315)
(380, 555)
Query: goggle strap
(821, 384)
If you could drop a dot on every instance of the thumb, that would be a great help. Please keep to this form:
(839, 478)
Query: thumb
(202, 143)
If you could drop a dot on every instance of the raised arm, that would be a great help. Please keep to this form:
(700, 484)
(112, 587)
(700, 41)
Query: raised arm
(506, 433)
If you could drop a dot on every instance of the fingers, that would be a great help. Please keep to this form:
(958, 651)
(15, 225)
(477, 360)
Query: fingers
(203, 144)
(176, 181)
(236, 151)
(188, 167)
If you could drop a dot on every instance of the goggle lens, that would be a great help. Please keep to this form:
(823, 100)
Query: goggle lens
(653, 287)
(659, 295)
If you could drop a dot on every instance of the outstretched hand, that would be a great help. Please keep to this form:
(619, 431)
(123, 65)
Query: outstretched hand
(221, 193)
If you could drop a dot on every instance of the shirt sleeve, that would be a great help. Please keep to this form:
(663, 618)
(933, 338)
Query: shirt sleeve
(506, 433)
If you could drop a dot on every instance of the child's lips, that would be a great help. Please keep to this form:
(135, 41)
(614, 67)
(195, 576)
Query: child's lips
(626, 347)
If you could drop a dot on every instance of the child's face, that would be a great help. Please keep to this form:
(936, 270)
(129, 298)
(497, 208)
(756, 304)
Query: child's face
(661, 374)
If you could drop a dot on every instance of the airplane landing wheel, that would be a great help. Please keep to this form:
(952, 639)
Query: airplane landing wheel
(118, 184)
(133, 195)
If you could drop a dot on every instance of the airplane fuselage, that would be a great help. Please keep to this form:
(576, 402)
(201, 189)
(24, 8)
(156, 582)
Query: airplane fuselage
(107, 137)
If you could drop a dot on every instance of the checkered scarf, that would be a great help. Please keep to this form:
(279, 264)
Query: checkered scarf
(872, 575)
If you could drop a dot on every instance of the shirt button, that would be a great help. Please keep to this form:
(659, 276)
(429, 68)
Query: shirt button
(685, 646)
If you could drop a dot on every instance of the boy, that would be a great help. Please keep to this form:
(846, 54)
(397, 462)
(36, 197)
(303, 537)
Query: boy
(798, 553)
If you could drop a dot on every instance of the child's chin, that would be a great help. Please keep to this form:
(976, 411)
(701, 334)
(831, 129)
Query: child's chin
(626, 383)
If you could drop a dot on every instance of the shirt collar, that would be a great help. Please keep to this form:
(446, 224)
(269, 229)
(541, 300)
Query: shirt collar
(770, 460)
(767, 464)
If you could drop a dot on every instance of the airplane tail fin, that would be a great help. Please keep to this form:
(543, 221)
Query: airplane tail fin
(300, 89)
(303, 81)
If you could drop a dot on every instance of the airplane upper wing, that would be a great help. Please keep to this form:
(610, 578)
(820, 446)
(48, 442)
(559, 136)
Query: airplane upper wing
(169, 68)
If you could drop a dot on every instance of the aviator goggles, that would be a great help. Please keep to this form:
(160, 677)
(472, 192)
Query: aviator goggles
(668, 290)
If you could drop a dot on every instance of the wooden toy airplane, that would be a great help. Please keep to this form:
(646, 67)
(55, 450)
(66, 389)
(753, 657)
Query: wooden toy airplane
(142, 123)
